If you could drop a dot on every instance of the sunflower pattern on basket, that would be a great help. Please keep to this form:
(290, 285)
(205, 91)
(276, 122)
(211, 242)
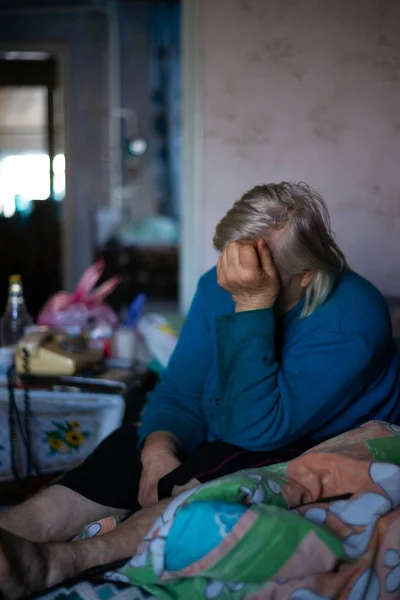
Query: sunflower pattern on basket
(66, 437)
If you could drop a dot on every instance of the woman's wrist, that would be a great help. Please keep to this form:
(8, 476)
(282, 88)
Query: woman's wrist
(159, 442)
(255, 303)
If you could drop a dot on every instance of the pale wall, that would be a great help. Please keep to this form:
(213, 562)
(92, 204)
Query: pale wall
(307, 90)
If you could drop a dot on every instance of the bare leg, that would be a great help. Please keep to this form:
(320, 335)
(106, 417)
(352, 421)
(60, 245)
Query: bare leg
(118, 544)
(26, 568)
(55, 514)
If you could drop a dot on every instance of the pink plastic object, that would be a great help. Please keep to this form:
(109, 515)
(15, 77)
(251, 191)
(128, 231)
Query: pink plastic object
(73, 310)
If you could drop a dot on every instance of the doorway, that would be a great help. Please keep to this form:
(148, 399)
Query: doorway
(32, 174)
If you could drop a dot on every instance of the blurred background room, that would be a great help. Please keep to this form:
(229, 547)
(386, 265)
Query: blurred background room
(127, 129)
(156, 115)
(92, 90)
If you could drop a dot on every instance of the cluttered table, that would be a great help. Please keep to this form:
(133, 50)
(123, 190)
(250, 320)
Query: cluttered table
(69, 380)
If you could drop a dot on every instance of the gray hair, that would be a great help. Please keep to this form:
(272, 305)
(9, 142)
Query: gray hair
(306, 245)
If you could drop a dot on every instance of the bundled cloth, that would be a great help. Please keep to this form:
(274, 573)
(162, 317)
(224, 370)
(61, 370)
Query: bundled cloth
(324, 526)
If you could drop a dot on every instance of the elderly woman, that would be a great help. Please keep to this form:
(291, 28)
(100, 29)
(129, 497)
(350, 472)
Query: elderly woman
(283, 342)
(284, 346)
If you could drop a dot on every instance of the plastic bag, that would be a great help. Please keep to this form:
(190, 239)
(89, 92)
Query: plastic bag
(64, 310)
(159, 337)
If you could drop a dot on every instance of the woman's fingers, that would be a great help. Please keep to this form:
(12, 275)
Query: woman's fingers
(239, 264)
(240, 257)
(266, 259)
(222, 268)
(248, 257)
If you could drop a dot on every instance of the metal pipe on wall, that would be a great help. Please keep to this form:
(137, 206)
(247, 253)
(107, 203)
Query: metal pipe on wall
(114, 76)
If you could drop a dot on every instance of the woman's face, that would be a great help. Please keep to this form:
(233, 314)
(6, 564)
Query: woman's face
(293, 287)
(291, 291)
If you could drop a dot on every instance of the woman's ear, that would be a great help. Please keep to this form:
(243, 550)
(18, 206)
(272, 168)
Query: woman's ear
(307, 278)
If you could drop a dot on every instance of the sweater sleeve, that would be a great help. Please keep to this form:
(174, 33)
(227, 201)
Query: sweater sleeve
(267, 403)
(175, 404)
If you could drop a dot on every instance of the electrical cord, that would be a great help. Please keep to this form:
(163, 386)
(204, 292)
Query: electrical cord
(27, 417)
(17, 425)
(14, 420)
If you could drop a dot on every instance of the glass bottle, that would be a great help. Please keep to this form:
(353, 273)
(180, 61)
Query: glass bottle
(16, 317)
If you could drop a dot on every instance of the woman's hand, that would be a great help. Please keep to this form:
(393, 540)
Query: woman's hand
(158, 459)
(155, 468)
(249, 274)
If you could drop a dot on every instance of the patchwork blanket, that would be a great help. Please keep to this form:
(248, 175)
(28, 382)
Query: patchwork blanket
(324, 526)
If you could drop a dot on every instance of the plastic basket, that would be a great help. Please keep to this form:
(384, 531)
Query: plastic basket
(65, 428)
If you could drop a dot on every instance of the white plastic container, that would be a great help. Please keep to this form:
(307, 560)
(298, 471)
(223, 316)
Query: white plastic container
(7, 357)
(65, 428)
(124, 344)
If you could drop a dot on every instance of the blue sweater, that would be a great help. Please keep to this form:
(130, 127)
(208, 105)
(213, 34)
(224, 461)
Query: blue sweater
(260, 381)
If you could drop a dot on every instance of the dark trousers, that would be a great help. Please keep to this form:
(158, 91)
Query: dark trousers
(110, 475)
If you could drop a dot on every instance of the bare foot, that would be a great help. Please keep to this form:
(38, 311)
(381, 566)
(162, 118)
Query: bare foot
(27, 567)
(23, 566)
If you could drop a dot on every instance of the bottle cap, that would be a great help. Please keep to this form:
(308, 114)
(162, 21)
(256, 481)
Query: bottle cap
(14, 279)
